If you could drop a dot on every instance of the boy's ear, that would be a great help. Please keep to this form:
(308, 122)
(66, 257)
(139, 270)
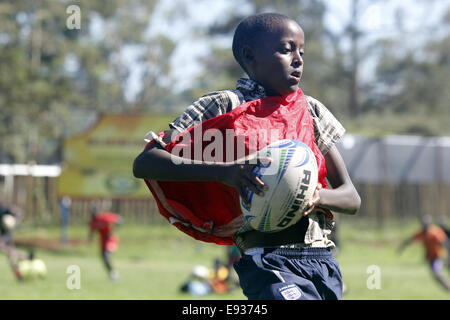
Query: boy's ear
(248, 54)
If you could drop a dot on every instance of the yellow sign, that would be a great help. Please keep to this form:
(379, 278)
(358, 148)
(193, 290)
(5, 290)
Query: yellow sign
(98, 162)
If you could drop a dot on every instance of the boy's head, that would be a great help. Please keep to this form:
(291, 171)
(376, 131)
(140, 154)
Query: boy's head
(94, 211)
(269, 47)
(426, 221)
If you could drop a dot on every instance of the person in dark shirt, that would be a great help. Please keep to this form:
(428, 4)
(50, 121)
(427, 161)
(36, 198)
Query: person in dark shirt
(10, 217)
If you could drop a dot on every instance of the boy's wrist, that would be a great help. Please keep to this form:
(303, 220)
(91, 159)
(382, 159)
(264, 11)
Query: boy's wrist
(217, 171)
(201, 172)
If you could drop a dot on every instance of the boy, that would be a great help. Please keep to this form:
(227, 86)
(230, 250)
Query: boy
(104, 222)
(435, 241)
(295, 263)
(10, 217)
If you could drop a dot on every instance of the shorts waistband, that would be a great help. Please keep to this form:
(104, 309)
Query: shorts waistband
(289, 236)
(296, 253)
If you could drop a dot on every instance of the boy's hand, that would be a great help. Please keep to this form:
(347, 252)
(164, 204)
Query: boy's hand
(241, 177)
(314, 201)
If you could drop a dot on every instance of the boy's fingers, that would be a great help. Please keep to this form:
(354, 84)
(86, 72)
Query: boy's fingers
(259, 161)
(255, 180)
(262, 184)
(314, 201)
(243, 195)
(309, 209)
(311, 204)
(256, 189)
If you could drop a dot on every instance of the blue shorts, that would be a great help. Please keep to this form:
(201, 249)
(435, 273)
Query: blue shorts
(437, 265)
(289, 274)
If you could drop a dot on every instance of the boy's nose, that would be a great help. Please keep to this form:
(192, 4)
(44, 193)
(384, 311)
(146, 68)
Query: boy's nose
(297, 61)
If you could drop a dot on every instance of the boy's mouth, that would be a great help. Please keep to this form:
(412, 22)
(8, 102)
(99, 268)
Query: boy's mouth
(295, 77)
(296, 74)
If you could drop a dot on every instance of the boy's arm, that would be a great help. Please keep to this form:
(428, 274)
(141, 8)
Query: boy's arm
(404, 244)
(343, 197)
(418, 236)
(156, 163)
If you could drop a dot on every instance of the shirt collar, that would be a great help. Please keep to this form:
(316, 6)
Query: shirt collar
(246, 84)
(252, 90)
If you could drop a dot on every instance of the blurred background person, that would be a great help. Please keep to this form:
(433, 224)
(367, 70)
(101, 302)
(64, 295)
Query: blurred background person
(103, 223)
(65, 215)
(10, 218)
(435, 242)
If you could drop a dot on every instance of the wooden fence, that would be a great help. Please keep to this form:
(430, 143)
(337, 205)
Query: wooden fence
(38, 197)
(383, 203)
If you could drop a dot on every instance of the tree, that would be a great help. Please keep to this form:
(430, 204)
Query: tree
(221, 70)
(53, 78)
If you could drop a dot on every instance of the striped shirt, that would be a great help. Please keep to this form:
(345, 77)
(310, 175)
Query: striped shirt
(327, 131)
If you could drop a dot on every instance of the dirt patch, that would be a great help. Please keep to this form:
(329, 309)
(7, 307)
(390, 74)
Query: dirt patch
(47, 244)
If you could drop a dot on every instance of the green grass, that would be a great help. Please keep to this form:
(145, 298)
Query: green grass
(154, 261)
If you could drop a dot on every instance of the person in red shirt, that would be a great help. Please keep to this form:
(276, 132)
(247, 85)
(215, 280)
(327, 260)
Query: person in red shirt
(104, 223)
(435, 241)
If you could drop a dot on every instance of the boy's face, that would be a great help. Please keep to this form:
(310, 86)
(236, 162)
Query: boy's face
(277, 62)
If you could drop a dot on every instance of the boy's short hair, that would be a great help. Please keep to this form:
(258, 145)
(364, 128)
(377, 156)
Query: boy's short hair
(249, 30)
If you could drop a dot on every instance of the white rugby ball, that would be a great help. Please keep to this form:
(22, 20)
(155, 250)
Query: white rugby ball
(291, 178)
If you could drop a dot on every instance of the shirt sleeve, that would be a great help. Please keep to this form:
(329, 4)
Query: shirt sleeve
(327, 129)
(418, 236)
(207, 107)
(440, 234)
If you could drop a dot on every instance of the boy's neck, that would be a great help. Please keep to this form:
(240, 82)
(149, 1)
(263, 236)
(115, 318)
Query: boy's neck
(268, 92)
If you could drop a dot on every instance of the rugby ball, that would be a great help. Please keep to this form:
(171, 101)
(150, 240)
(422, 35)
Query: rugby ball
(291, 178)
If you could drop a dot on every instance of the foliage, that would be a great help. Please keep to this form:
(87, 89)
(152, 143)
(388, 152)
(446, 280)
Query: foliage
(54, 81)
(410, 83)
(54, 77)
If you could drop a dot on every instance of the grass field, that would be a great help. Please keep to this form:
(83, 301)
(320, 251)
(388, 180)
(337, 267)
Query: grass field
(153, 261)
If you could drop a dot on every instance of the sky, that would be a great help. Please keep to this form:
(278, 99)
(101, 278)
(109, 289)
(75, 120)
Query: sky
(377, 19)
